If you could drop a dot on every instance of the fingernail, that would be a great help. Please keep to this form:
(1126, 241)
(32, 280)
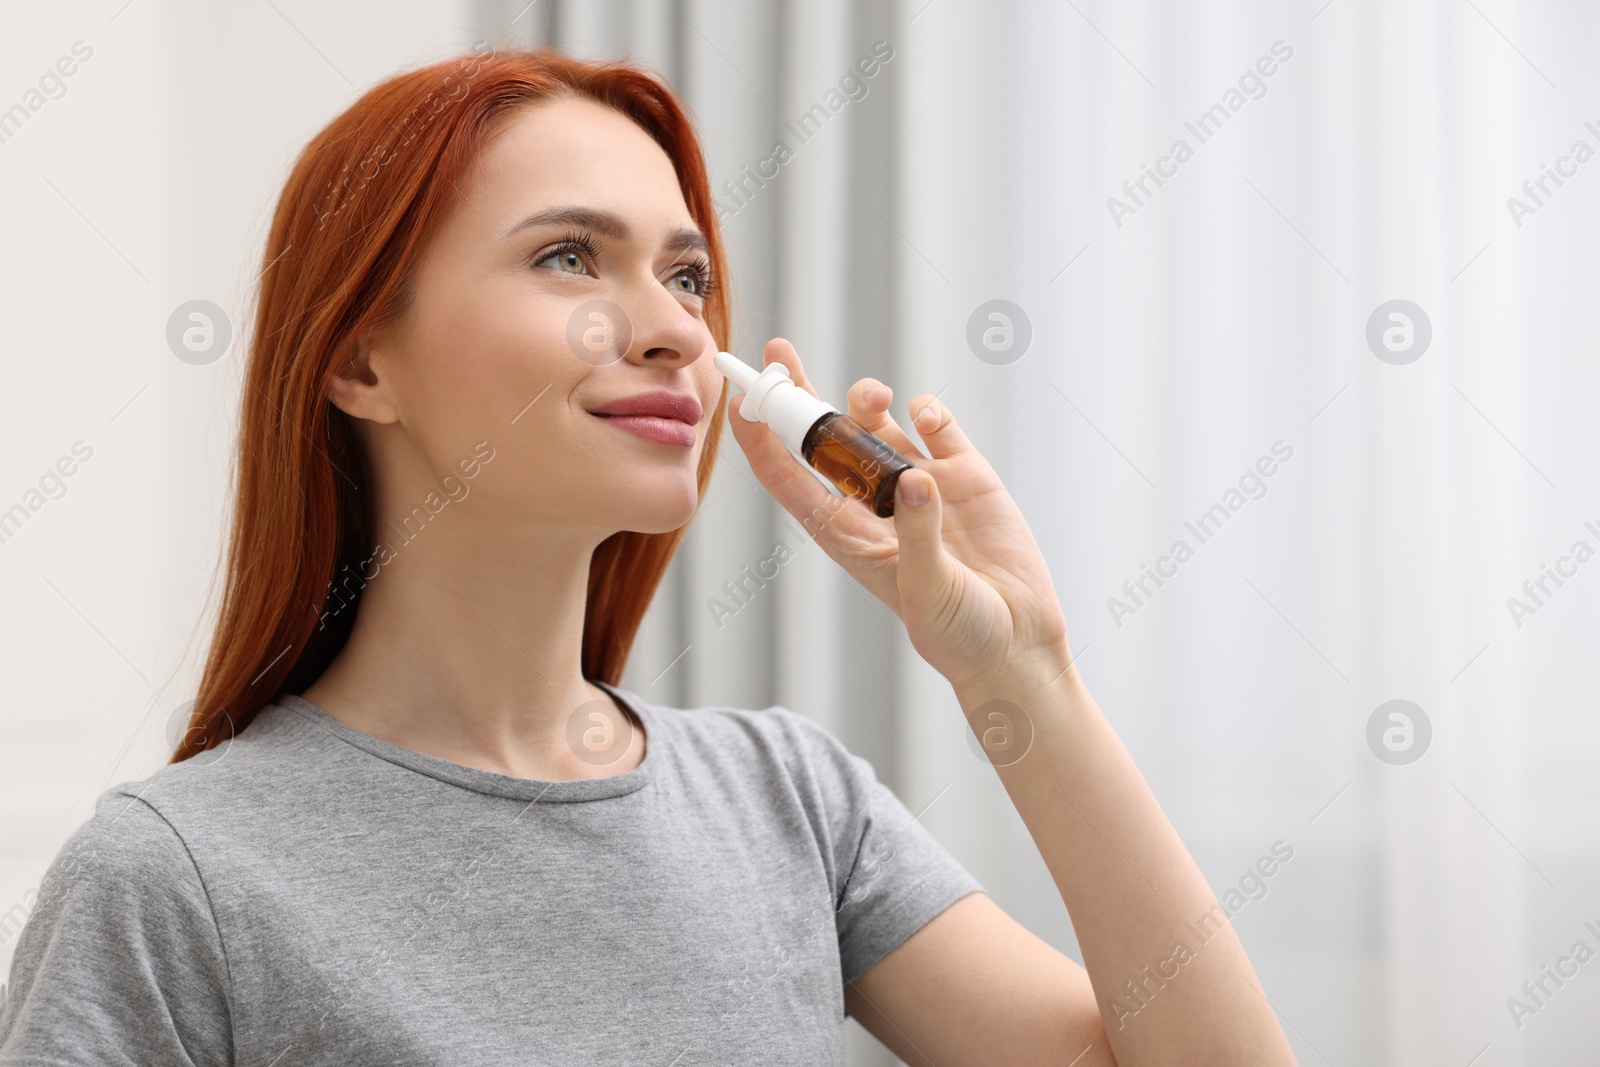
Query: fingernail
(914, 492)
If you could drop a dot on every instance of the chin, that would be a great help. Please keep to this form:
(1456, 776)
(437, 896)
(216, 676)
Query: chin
(658, 512)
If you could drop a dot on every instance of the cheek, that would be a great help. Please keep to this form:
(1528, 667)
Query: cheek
(712, 384)
(484, 366)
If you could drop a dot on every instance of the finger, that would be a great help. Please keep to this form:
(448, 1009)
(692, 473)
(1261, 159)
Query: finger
(925, 571)
(874, 417)
(779, 350)
(937, 427)
(789, 480)
(868, 403)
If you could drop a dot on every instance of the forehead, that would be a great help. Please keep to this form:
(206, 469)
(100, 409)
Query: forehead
(574, 150)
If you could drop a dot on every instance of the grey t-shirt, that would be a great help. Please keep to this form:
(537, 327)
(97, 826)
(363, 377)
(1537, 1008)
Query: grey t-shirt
(307, 894)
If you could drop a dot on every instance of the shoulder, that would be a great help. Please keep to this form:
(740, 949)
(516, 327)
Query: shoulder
(124, 846)
(134, 852)
(775, 738)
(123, 881)
(120, 959)
(246, 773)
(776, 758)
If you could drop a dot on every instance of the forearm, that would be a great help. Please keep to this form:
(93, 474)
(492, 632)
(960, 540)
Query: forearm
(1172, 981)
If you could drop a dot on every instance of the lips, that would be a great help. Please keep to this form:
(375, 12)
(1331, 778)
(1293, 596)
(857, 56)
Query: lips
(667, 417)
(660, 404)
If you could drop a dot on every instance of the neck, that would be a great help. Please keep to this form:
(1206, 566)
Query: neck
(467, 645)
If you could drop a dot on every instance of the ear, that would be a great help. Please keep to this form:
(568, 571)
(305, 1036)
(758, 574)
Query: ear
(361, 388)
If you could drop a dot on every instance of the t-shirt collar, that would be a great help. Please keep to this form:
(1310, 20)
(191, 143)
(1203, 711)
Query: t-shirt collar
(492, 782)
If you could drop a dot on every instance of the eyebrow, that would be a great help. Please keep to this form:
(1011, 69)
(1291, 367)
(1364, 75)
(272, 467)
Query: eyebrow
(607, 224)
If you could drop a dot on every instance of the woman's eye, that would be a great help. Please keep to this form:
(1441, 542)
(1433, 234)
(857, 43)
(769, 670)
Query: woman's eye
(568, 262)
(698, 277)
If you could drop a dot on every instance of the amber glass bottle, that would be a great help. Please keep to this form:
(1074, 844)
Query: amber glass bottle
(861, 464)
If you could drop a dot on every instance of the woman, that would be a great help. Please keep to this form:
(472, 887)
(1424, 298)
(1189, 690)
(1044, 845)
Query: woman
(416, 821)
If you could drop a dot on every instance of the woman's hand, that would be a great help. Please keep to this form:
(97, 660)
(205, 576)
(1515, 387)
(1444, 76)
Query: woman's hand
(961, 569)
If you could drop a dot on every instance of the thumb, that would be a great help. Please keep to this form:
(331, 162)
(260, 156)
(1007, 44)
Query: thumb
(925, 569)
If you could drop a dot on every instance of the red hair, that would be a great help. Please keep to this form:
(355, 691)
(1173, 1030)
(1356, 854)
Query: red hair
(357, 211)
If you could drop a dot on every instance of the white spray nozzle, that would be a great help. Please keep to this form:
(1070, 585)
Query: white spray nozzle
(742, 375)
(772, 397)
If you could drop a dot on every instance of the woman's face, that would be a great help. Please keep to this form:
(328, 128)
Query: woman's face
(568, 278)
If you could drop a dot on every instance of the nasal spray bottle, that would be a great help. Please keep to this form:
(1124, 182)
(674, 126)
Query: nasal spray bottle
(832, 443)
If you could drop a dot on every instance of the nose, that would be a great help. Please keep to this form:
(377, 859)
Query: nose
(665, 333)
